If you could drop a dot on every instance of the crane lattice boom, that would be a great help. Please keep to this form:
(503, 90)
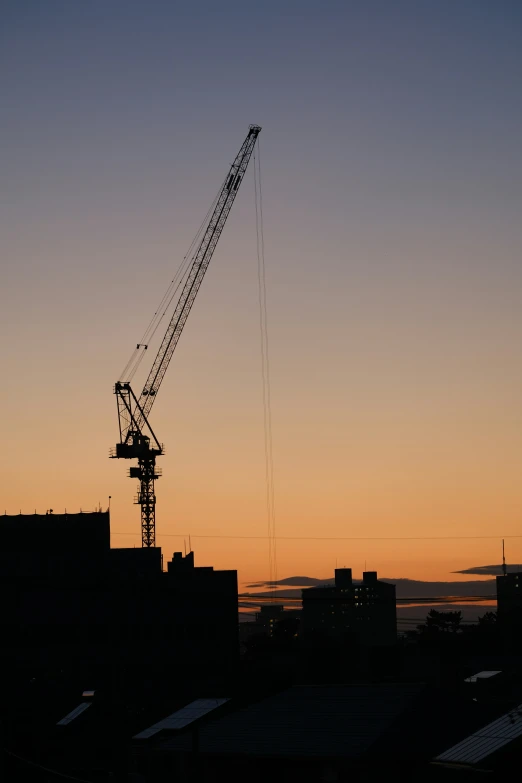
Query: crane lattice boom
(137, 439)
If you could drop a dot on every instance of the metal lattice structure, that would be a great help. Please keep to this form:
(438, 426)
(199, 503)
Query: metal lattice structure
(137, 439)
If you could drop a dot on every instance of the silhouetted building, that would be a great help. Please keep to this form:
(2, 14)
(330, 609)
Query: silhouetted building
(54, 547)
(139, 565)
(509, 596)
(509, 610)
(268, 616)
(71, 601)
(205, 603)
(364, 610)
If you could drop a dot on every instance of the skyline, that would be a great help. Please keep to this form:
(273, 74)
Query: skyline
(392, 192)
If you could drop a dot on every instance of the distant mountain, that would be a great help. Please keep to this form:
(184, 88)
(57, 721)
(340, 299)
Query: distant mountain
(295, 581)
(410, 588)
(406, 588)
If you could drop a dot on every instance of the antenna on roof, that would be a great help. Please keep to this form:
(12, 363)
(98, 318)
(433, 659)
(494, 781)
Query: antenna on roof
(190, 545)
(504, 569)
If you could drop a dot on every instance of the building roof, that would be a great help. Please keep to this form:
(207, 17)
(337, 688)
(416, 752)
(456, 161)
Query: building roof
(53, 533)
(485, 741)
(335, 721)
(74, 713)
(183, 717)
(484, 675)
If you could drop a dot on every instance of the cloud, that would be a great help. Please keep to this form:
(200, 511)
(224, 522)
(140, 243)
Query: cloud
(489, 570)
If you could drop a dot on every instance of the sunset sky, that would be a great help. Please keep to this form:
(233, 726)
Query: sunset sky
(392, 195)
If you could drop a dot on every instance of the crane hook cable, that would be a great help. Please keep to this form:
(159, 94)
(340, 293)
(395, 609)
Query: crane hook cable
(265, 372)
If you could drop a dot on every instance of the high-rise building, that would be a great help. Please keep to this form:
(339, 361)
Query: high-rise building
(363, 610)
(509, 610)
(268, 616)
(69, 597)
(509, 596)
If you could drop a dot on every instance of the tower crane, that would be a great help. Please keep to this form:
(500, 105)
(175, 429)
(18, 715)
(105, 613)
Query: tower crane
(137, 438)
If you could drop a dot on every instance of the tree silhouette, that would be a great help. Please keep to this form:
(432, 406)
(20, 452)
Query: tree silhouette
(441, 622)
(488, 620)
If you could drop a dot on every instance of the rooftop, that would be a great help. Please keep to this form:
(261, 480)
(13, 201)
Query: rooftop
(335, 721)
(485, 741)
(485, 675)
(183, 717)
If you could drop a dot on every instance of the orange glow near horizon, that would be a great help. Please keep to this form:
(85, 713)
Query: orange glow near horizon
(391, 176)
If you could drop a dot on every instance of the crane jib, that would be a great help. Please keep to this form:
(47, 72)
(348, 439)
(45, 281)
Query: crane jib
(201, 260)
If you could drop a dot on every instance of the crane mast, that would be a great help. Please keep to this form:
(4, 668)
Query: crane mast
(137, 439)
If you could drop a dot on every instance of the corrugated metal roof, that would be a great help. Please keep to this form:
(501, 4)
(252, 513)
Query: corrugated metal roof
(307, 721)
(487, 740)
(183, 717)
(74, 713)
